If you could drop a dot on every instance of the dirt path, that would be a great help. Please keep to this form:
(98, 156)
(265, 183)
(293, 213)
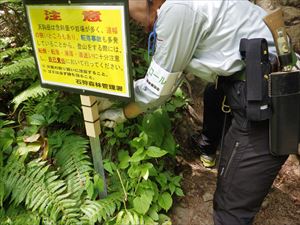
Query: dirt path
(281, 207)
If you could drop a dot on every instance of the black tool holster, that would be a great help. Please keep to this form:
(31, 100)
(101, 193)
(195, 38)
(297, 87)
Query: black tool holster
(284, 91)
(256, 56)
(272, 95)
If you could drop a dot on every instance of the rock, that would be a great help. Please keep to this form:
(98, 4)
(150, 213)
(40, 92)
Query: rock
(295, 3)
(267, 5)
(291, 15)
(294, 32)
(265, 204)
(207, 197)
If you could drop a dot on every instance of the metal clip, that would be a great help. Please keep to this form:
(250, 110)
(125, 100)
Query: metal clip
(225, 108)
(216, 82)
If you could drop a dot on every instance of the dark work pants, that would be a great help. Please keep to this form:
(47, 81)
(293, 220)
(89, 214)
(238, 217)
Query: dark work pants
(213, 119)
(247, 169)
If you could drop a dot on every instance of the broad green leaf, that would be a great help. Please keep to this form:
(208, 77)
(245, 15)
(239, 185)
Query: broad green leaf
(176, 180)
(145, 170)
(146, 187)
(145, 173)
(7, 137)
(4, 123)
(153, 213)
(155, 152)
(32, 138)
(162, 179)
(32, 147)
(165, 201)
(99, 183)
(89, 188)
(138, 155)
(37, 119)
(172, 188)
(149, 221)
(164, 220)
(161, 116)
(124, 158)
(109, 166)
(179, 192)
(112, 141)
(134, 171)
(169, 144)
(140, 142)
(141, 204)
(153, 126)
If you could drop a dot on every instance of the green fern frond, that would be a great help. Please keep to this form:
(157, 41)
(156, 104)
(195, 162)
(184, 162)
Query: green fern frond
(12, 51)
(74, 163)
(130, 217)
(10, 1)
(42, 191)
(18, 66)
(2, 184)
(102, 209)
(14, 163)
(35, 90)
(19, 216)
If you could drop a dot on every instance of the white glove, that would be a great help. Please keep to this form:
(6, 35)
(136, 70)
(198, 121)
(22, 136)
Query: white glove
(111, 117)
(103, 104)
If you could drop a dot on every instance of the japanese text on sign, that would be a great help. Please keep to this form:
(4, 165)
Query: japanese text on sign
(81, 47)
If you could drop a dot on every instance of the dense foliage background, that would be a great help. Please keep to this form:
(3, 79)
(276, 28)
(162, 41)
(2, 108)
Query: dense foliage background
(46, 171)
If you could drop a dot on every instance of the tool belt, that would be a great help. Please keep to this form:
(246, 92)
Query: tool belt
(272, 95)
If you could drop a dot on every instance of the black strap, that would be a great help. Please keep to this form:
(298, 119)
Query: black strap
(255, 52)
(256, 56)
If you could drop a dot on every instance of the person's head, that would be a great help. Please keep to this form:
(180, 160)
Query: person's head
(144, 11)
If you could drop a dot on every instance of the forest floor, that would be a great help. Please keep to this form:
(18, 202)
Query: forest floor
(281, 206)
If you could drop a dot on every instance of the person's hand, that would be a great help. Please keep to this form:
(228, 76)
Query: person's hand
(104, 104)
(111, 117)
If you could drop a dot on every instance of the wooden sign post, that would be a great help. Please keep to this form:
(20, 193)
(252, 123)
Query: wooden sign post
(92, 126)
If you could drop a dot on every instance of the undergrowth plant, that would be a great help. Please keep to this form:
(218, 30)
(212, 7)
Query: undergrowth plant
(53, 179)
(50, 178)
(140, 170)
(17, 70)
(46, 172)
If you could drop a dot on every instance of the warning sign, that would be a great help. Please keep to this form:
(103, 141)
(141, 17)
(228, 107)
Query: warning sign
(81, 47)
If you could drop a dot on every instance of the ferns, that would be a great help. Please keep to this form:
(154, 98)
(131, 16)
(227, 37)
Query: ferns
(58, 196)
(17, 75)
(74, 163)
(41, 190)
(15, 68)
(33, 91)
(101, 210)
(12, 51)
(129, 217)
(18, 216)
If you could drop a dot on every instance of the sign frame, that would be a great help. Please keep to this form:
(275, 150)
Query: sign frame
(123, 3)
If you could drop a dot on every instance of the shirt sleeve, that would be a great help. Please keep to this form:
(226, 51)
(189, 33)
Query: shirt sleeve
(178, 34)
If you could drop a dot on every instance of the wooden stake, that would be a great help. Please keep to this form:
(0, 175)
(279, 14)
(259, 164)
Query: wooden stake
(92, 125)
